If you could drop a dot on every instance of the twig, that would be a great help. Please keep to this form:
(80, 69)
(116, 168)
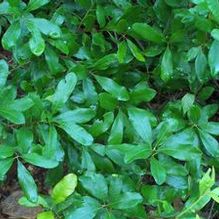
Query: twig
(211, 210)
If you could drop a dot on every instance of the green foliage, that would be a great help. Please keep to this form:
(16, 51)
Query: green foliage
(117, 101)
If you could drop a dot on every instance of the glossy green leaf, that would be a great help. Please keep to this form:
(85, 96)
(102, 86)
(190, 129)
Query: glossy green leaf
(141, 123)
(63, 90)
(210, 143)
(215, 34)
(47, 27)
(12, 115)
(27, 183)
(113, 88)
(187, 102)
(4, 72)
(107, 101)
(77, 133)
(157, 171)
(213, 59)
(37, 44)
(95, 184)
(88, 209)
(142, 93)
(6, 151)
(101, 126)
(40, 161)
(126, 200)
(167, 65)
(52, 148)
(116, 133)
(200, 65)
(131, 152)
(64, 188)
(194, 114)
(211, 128)
(35, 4)
(46, 215)
(11, 36)
(206, 93)
(213, 7)
(122, 52)
(5, 166)
(80, 115)
(105, 62)
(181, 146)
(52, 61)
(100, 16)
(135, 51)
(147, 32)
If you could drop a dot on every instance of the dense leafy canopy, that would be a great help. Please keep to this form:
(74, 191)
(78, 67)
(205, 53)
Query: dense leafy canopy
(116, 101)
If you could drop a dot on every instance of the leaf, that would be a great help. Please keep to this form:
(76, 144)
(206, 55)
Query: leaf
(4, 72)
(131, 152)
(24, 139)
(187, 102)
(52, 61)
(12, 115)
(157, 171)
(211, 128)
(200, 65)
(78, 133)
(126, 200)
(40, 161)
(21, 104)
(105, 62)
(122, 51)
(147, 32)
(181, 146)
(142, 93)
(52, 148)
(95, 184)
(6, 151)
(140, 121)
(107, 101)
(167, 65)
(215, 194)
(213, 6)
(87, 210)
(35, 4)
(80, 115)
(210, 143)
(5, 166)
(116, 133)
(113, 88)
(100, 14)
(46, 215)
(64, 188)
(213, 59)
(27, 183)
(23, 201)
(101, 126)
(215, 34)
(11, 36)
(47, 27)
(37, 43)
(86, 161)
(135, 51)
(194, 114)
(14, 3)
(90, 91)
(206, 93)
(207, 181)
(63, 91)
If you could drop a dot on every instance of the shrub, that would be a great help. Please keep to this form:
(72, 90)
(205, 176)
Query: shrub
(114, 103)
